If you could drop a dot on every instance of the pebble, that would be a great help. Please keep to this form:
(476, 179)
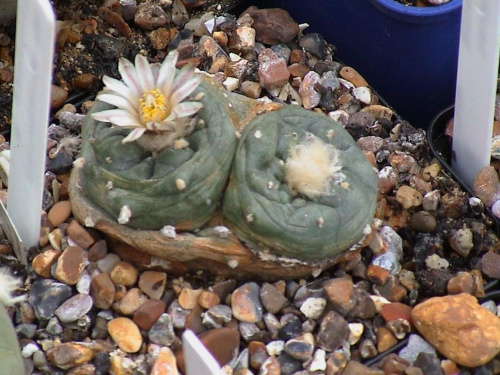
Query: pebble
(341, 294)
(165, 363)
(333, 330)
(273, 72)
(188, 298)
(462, 241)
(125, 334)
(80, 235)
(58, 96)
(388, 178)
(272, 25)
(148, 313)
(300, 347)
(430, 201)
(124, 273)
(307, 90)
(150, 16)
(71, 354)
(130, 302)
(74, 308)
(390, 260)
(70, 265)
(152, 283)
(245, 303)
(46, 296)
(272, 299)
(385, 339)
(102, 291)
(314, 44)
(408, 197)
(42, 263)
(423, 221)
(459, 328)
(357, 368)
(416, 345)
(463, 282)
(490, 264)
(162, 331)
(486, 186)
(59, 213)
(353, 76)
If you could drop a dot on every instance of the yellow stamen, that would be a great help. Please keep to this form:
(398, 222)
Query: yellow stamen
(153, 106)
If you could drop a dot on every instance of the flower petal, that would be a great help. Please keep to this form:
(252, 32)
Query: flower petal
(118, 117)
(134, 135)
(121, 89)
(167, 73)
(117, 101)
(184, 88)
(129, 75)
(155, 69)
(186, 109)
(144, 73)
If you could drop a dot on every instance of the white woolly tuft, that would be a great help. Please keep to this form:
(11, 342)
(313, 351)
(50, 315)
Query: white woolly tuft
(8, 285)
(311, 167)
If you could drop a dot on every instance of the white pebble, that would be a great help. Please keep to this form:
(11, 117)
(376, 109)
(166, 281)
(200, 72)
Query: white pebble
(168, 231)
(313, 307)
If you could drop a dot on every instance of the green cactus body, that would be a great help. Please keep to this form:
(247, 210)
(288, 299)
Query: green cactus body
(11, 361)
(259, 205)
(178, 187)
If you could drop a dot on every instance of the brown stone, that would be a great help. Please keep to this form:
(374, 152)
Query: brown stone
(396, 310)
(490, 265)
(165, 363)
(459, 328)
(272, 25)
(188, 298)
(377, 274)
(208, 299)
(352, 76)
(149, 313)
(273, 72)
(124, 273)
(271, 366)
(221, 342)
(98, 251)
(245, 303)
(487, 186)
(42, 263)
(125, 334)
(130, 302)
(71, 354)
(152, 283)
(102, 291)
(80, 235)
(59, 213)
(385, 339)
(357, 368)
(257, 353)
(341, 294)
(461, 283)
(58, 96)
(84, 80)
(70, 265)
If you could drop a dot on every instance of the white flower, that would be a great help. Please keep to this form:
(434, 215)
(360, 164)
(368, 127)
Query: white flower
(151, 97)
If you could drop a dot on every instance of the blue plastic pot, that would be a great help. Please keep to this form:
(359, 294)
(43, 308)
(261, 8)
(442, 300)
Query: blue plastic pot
(408, 54)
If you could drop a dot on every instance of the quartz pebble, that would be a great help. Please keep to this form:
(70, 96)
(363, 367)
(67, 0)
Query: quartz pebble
(74, 308)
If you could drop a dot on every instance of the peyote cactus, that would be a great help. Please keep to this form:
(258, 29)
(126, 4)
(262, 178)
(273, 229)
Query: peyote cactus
(299, 186)
(180, 187)
(300, 191)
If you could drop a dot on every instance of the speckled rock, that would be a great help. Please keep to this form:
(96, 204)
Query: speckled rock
(70, 265)
(308, 92)
(165, 363)
(462, 241)
(150, 16)
(273, 72)
(272, 299)
(42, 263)
(333, 330)
(125, 334)
(341, 294)
(487, 186)
(162, 331)
(459, 328)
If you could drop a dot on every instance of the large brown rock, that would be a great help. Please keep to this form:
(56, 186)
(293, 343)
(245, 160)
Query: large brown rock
(272, 25)
(487, 186)
(459, 328)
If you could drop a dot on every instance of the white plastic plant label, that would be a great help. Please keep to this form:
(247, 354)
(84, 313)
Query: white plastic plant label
(35, 33)
(197, 358)
(476, 87)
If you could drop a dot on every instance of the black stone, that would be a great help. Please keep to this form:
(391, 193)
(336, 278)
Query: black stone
(46, 296)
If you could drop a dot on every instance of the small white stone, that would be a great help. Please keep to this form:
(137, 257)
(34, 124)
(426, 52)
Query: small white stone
(168, 231)
(89, 222)
(29, 349)
(363, 94)
(258, 134)
(231, 83)
(125, 215)
(313, 307)
(233, 263)
(320, 222)
(109, 185)
(275, 347)
(318, 362)
(435, 262)
(180, 184)
(249, 218)
(355, 332)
